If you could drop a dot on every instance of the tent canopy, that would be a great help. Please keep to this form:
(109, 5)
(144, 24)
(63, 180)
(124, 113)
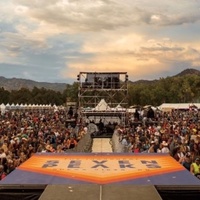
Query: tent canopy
(102, 106)
(179, 106)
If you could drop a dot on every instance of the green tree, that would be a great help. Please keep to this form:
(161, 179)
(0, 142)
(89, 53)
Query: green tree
(4, 94)
(20, 96)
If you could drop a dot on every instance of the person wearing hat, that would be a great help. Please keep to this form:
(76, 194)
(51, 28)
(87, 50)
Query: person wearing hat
(165, 148)
(151, 148)
(195, 167)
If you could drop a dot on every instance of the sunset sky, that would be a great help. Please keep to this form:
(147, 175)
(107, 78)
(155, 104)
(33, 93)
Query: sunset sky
(53, 40)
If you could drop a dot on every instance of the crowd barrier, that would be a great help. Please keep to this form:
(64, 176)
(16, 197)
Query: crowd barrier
(117, 146)
(84, 145)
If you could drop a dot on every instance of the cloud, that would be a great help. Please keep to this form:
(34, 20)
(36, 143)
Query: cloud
(132, 54)
(86, 15)
(62, 37)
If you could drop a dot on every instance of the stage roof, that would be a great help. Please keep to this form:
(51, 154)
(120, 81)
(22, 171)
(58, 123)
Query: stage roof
(101, 168)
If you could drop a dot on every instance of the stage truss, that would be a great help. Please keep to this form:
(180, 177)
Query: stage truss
(110, 86)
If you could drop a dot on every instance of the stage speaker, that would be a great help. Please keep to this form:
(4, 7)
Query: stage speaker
(21, 192)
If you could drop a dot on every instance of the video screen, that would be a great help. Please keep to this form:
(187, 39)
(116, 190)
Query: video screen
(102, 81)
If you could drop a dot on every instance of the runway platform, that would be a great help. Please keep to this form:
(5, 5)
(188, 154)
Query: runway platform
(157, 172)
(101, 145)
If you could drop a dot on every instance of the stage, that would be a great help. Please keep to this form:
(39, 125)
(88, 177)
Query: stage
(103, 170)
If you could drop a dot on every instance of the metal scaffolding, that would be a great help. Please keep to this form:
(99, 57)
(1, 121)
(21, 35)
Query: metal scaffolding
(110, 86)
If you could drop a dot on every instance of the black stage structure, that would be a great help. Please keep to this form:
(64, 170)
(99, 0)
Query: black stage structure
(98, 192)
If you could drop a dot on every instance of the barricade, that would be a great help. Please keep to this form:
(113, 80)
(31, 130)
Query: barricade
(116, 144)
(84, 145)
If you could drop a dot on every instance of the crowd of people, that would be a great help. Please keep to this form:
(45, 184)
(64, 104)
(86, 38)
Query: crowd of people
(176, 133)
(25, 132)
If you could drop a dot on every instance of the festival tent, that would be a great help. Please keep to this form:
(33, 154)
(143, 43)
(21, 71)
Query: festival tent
(2, 108)
(180, 106)
(118, 108)
(12, 106)
(21, 106)
(17, 106)
(102, 106)
(135, 106)
(104, 112)
(8, 106)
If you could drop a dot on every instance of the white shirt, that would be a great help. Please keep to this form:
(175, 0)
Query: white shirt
(3, 155)
(165, 150)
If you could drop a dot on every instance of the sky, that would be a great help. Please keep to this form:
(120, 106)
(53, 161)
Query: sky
(54, 40)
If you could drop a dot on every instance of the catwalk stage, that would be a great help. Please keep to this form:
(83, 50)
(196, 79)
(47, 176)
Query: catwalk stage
(108, 175)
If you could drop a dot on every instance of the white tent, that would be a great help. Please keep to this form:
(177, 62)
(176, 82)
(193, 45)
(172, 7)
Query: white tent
(17, 106)
(2, 108)
(169, 106)
(7, 106)
(102, 106)
(21, 106)
(119, 108)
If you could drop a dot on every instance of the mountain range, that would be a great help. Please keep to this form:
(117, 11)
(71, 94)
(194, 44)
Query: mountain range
(18, 83)
(185, 72)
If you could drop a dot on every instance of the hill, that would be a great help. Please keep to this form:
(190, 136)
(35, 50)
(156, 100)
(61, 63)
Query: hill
(16, 83)
(185, 72)
(188, 71)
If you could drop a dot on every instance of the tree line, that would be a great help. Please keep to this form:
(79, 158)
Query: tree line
(181, 89)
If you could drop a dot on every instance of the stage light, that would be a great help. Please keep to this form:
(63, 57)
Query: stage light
(126, 79)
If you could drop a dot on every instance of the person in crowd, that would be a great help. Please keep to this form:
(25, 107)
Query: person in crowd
(25, 132)
(187, 161)
(195, 167)
(152, 147)
(59, 149)
(136, 115)
(178, 155)
(165, 148)
(71, 143)
(125, 143)
(2, 153)
(150, 113)
(136, 148)
(70, 112)
(2, 173)
(101, 126)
